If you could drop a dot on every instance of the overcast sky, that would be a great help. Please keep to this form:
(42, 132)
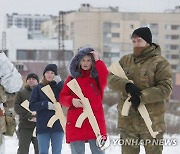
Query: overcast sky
(53, 6)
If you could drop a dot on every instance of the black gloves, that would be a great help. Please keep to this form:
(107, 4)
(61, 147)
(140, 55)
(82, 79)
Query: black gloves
(135, 101)
(133, 89)
(135, 93)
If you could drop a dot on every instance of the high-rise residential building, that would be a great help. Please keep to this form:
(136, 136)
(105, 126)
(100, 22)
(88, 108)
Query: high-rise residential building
(109, 31)
(29, 21)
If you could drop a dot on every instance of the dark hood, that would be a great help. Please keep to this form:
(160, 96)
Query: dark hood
(74, 69)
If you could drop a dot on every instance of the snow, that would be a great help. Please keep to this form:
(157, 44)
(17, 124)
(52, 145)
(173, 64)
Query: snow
(11, 145)
(172, 119)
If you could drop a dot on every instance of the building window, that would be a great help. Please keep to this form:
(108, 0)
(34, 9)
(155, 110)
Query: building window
(110, 54)
(72, 25)
(132, 26)
(167, 37)
(171, 47)
(106, 37)
(37, 28)
(173, 67)
(54, 55)
(174, 27)
(174, 47)
(25, 55)
(174, 56)
(107, 27)
(168, 56)
(153, 26)
(115, 54)
(115, 25)
(21, 55)
(66, 27)
(20, 67)
(106, 49)
(167, 27)
(44, 55)
(115, 45)
(115, 35)
(172, 37)
(107, 54)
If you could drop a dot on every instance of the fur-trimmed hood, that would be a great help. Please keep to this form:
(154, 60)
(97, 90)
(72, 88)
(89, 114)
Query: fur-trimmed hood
(74, 69)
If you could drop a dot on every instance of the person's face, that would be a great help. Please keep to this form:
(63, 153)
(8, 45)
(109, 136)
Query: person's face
(139, 42)
(31, 82)
(86, 63)
(49, 75)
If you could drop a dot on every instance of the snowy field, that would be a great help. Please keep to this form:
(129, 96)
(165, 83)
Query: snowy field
(11, 145)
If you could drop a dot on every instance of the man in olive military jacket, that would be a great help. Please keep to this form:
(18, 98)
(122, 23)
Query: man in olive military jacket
(152, 84)
(27, 120)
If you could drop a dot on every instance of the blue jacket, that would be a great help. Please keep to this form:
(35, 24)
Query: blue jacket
(39, 103)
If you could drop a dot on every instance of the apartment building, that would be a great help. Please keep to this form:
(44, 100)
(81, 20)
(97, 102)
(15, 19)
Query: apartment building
(29, 21)
(109, 31)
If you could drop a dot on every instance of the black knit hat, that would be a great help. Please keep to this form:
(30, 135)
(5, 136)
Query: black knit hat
(51, 67)
(32, 75)
(144, 33)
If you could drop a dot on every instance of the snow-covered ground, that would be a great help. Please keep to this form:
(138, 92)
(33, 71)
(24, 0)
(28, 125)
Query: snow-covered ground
(11, 145)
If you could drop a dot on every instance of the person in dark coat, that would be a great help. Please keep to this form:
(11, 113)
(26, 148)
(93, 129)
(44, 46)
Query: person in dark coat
(91, 74)
(27, 120)
(45, 109)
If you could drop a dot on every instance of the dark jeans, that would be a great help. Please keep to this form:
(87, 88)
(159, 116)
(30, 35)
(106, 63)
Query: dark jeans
(25, 138)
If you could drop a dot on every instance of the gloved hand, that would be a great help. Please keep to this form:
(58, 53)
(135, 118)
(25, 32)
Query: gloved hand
(33, 119)
(135, 101)
(132, 89)
(77, 102)
(57, 78)
(51, 106)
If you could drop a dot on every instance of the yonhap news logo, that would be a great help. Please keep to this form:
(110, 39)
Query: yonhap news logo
(164, 142)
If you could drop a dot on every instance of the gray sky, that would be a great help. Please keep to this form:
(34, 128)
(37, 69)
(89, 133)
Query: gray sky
(53, 6)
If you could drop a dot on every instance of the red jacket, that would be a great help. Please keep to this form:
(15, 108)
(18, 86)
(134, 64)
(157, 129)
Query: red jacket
(94, 92)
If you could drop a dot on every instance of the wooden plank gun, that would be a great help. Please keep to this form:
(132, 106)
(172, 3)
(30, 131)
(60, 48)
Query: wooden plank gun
(25, 105)
(59, 115)
(87, 113)
(116, 69)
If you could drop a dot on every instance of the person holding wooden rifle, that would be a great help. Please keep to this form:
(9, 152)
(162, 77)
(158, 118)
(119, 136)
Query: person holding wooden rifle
(45, 109)
(27, 120)
(148, 83)
(91, 75)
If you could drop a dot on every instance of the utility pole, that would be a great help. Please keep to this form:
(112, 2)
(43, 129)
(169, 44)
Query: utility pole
(4, 42)
(61, 51)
